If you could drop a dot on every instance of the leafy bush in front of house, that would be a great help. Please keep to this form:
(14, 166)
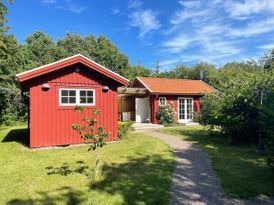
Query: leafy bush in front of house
(267, 122)
(166, 114)
(124, 128)
(237, 109)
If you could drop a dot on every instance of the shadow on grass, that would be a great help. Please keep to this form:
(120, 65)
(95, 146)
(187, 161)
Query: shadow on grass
(66, 170)
(18, 135)
(65, 195)
(142, 180)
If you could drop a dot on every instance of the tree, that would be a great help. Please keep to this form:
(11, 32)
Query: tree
(74, 44)
(91, 134)
(109, 56)
(268, 60)
(3, 20)
(40, 48)
(137, 70)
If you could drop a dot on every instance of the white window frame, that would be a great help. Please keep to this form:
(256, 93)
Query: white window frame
(77, 90)
(192, 108)
(164, 98)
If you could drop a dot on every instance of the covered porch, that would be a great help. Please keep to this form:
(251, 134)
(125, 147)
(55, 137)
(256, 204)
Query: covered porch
(134, 105)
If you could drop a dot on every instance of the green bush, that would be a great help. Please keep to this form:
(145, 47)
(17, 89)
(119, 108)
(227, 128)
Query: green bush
(166, 114)
(236, 109)
(267, 123)
(124, 128)
(12, 108)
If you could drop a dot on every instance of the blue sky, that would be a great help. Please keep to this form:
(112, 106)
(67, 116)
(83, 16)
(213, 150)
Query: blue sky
(174, 32)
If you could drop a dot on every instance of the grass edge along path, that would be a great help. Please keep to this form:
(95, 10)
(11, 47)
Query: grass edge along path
(242, 173)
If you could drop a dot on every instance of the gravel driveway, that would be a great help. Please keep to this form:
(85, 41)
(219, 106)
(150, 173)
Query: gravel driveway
(194, 180)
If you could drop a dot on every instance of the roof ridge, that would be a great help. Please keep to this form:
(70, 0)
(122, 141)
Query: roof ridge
(81, 57)
(168, 78)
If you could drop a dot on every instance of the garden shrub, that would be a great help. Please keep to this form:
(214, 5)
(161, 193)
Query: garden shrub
(267, 123)
(166, 114)
(12, 108)
(236, 109)
(124, 128)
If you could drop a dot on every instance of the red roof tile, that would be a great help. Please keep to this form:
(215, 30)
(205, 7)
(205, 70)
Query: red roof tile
(175, 86)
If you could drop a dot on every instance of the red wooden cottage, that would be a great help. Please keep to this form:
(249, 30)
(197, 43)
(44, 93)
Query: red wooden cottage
(150, 93)
(54, 91)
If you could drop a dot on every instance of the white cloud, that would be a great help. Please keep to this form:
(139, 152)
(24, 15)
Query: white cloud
(253, 28)
(217, 49)
(190, 10)
(178, 43)
(201, 31)
(66, 5)
(266, 46)
(244, 10)
(145, 20)
(48, 1)
(134, 4)
(190, 3)
(115, 11)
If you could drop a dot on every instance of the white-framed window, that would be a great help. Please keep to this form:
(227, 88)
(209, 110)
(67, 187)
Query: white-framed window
(76, 96)
(185, 109)
(162, 101)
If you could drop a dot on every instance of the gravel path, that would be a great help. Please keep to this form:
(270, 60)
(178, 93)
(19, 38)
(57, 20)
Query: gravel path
(194, 180)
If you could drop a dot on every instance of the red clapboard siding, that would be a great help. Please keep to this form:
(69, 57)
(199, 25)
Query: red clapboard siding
(50, 123)
(154, 103)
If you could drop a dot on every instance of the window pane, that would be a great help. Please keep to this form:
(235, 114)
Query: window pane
(83, 100)
(72, 93)
(72, 100)
(64, 100)
(90, 100)
(64, 93)
(90, 93)
(82, 93)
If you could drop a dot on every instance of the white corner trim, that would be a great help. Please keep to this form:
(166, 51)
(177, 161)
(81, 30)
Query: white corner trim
(144, 85)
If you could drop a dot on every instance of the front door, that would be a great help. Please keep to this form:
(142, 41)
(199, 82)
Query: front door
(185, 109)
(142, 110)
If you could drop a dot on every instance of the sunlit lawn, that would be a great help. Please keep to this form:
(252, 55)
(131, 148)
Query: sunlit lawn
(137, 170)
(242, 172)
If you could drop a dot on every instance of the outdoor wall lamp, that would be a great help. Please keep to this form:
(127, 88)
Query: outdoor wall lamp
(45, 87)
(105, 89)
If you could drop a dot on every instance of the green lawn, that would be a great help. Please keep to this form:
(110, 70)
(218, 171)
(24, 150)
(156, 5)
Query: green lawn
(243, 174)
(137, 170)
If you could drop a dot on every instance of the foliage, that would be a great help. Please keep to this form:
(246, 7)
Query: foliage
(242, 173)
(166, 114)
(267, 123)
(62, 172)
(90, 133)
(11, 108)
(124, 128)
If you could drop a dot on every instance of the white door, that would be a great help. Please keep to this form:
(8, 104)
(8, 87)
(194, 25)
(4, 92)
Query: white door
(185, 109)
(142, 109)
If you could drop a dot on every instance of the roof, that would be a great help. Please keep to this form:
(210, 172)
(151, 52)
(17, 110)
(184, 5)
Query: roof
(175, 86)
(33, 73)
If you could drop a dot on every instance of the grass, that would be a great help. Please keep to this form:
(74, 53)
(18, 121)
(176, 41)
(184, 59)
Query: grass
(243, 174)
(136, 171)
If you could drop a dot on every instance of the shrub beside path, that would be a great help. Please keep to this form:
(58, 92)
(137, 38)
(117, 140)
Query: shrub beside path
(194, 180)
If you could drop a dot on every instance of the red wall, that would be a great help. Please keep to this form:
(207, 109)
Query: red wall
(50, 123)
(154, 103)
